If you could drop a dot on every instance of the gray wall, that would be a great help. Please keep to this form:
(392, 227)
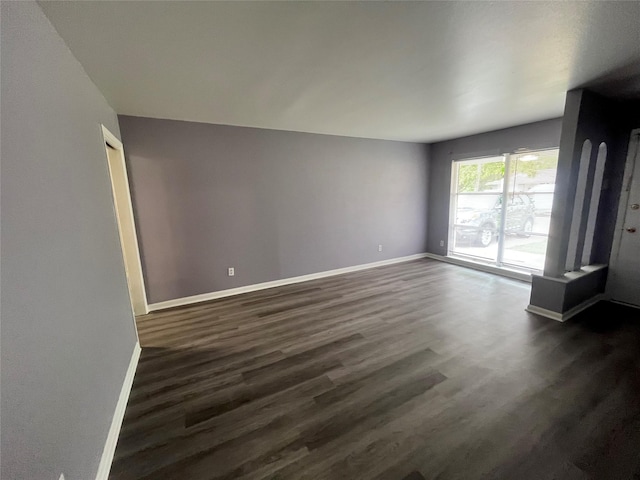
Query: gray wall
(67, 327)
(627, 116)
(619, 122)
(599, 119)
(535, 136)
(272, 204)
(561, 295)
(587, 116)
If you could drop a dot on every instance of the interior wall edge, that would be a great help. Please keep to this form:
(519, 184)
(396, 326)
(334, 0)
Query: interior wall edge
(67, 326)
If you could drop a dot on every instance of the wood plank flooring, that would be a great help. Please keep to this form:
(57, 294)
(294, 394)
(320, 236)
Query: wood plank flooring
(421, 370)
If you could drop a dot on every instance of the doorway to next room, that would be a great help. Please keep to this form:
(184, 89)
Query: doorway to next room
(123, 210)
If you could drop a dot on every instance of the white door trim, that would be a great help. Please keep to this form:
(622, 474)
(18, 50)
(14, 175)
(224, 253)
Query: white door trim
(633, 160)
(132, 260)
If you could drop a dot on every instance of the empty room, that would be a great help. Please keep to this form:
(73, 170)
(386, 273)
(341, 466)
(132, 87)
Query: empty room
(320, 240)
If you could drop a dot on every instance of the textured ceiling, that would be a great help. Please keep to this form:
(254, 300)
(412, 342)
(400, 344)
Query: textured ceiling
(404, 71)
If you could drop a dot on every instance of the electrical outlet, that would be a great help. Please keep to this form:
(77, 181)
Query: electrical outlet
(379, 248)
(442, 243)
(231, 272)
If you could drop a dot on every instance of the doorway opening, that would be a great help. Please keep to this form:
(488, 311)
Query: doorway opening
(501, 209)
(623, 284)
(126, 223)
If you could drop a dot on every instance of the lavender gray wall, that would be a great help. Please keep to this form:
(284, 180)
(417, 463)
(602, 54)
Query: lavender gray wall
(67, 326)
(272, 204)
(535, 136)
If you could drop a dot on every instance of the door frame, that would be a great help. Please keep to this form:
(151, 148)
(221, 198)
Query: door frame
(124, 213)
(632, 163)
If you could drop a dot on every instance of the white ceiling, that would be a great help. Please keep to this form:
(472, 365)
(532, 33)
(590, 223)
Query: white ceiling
(395, 70)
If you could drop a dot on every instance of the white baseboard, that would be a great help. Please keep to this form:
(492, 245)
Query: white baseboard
(118, 416)
(277, 283)
(624, 304)
(524, 277)
(563, 317)
(543, 312)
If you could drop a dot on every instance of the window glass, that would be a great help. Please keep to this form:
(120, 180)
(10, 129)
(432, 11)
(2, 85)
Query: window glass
(476, 229)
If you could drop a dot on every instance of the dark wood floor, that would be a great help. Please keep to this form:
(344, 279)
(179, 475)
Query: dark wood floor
(416, 370)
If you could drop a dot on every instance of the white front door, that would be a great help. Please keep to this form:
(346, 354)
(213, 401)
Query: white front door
(624, 274)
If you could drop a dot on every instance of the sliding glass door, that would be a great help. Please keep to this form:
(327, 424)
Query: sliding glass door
(500, 209)
(475, 213)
